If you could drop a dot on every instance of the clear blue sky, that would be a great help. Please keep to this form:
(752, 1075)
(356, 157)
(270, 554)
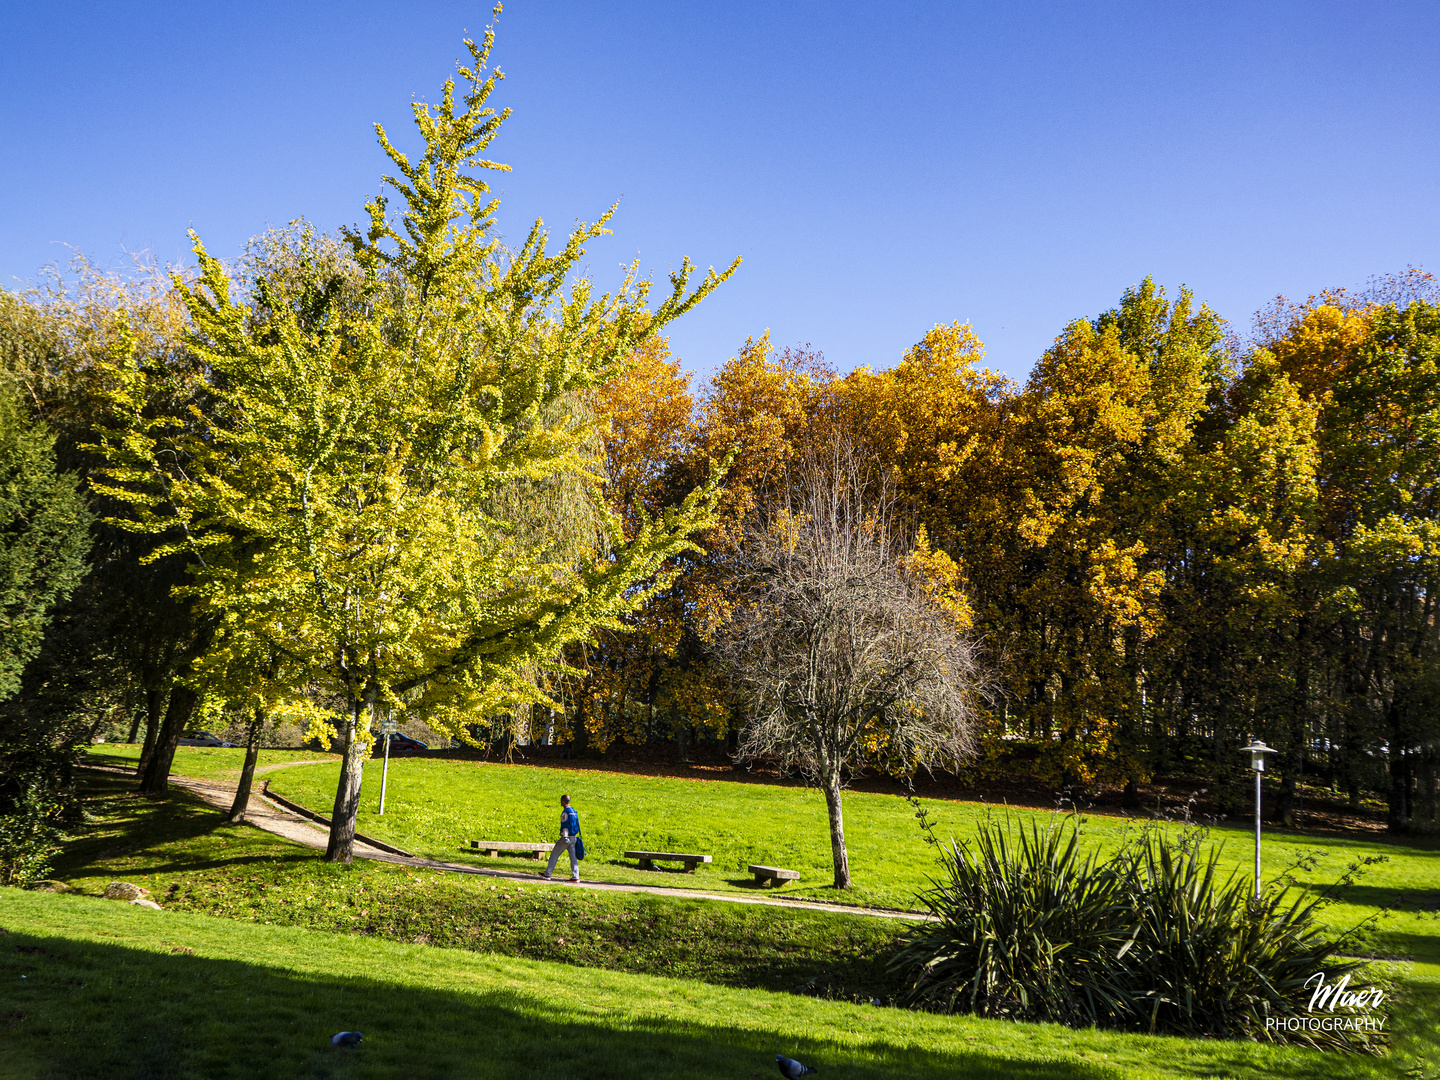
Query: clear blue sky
(880, 167)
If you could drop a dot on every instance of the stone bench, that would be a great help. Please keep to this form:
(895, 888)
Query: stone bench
(648, 859)
(496, 848)
(773, 875)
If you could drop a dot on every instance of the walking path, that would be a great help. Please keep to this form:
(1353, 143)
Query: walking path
(274, 818)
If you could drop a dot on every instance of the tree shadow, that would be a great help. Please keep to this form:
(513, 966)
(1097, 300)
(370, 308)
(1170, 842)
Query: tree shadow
(1242, 832)
(1423, 900)
(77, 1008)
(109, 761)
(158, 835)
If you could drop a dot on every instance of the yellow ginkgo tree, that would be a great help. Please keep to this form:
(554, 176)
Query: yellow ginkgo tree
(361, 420)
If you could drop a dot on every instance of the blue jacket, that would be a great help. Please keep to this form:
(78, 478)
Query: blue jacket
(569, 822)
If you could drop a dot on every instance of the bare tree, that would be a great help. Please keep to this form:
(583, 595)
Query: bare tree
(841, 655)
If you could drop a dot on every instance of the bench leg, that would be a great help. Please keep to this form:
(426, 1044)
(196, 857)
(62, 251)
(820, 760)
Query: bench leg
(646, 864)
(533, 854)
(490, 853)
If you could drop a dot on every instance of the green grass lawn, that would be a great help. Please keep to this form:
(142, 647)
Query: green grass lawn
(204, 762)
(306, 948)
(192, 860)
(434, 807)
(95, 988)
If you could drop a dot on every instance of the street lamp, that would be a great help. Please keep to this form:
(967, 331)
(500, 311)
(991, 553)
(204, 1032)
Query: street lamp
(1257, 751)
(388, 727)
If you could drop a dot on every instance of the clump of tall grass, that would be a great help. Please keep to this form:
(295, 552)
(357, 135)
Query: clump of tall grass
(1029, 926)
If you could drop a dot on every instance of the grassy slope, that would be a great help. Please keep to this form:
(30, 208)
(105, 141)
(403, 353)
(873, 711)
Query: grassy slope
(434, 807)
(113, 990)
(138, 1014)
(205, 762)
(191, 860)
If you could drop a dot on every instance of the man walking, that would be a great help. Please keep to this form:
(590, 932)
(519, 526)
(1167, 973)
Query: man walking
(569, 841)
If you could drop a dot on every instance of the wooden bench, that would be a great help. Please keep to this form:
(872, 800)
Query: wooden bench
(773, 875)
(648, 859)
(496, 848)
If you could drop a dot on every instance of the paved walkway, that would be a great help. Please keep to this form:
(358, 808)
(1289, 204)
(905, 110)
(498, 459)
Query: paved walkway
(273, 818)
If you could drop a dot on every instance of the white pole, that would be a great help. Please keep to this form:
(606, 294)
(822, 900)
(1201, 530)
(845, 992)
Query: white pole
(385, 775)
(1258, 774)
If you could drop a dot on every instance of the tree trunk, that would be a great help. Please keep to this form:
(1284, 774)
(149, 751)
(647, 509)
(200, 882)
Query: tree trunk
(837, 831)
(154, 702)
(1399, 817)
(1130, 800)
(1296, 726)
(156, 778)
(580, 737)
(247, 773)
(341, 847)
(1423, 803)
(1285, 801)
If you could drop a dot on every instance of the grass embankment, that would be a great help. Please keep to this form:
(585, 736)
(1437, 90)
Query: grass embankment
(434, 807)
(192, 861)
(92, 988)
(121, 995)
(203, 762)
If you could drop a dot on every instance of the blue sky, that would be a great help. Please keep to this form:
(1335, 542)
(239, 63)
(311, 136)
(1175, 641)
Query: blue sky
(880, 167)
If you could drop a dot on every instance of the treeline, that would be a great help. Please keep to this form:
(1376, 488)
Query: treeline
(343, 479)
(1172, 542)
(104, 641)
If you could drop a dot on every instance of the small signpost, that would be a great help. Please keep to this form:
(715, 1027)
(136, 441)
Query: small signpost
(388, 727)
(1257, 751)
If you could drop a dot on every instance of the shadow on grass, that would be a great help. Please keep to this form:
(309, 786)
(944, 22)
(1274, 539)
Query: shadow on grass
(80, 1009)
(154, 836)
(749, 884)
(1386, 944)
(671, 871)
(1240, 833)
(1410, 901)
(114, 761)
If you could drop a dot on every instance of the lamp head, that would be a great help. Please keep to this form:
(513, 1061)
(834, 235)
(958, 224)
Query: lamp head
(1257, 751)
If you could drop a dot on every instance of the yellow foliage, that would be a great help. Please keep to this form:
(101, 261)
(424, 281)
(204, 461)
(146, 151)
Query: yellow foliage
(1321, 346)
(942, 580)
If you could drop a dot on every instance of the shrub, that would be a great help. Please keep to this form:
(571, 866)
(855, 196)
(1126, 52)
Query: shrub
(1209, 959)
(30, 834)
(1025, 929)
(1151, 939)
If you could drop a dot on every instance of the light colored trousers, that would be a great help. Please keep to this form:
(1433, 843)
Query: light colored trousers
(565, 843)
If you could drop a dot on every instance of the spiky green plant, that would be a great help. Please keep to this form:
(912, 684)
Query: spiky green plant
(1026, 927)
(1209, 959)
(1151, 939)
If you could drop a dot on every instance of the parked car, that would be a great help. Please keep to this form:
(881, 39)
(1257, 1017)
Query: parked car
(400, 744)
(203, 738)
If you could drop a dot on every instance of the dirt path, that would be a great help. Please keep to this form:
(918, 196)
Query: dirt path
(273, 818)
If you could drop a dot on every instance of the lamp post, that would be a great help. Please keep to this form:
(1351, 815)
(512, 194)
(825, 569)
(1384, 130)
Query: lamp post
(1257, 751)
(388, 728)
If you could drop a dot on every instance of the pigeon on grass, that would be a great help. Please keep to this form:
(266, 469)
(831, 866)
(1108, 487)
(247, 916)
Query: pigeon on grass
(346, 1038)
(792, 1069)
